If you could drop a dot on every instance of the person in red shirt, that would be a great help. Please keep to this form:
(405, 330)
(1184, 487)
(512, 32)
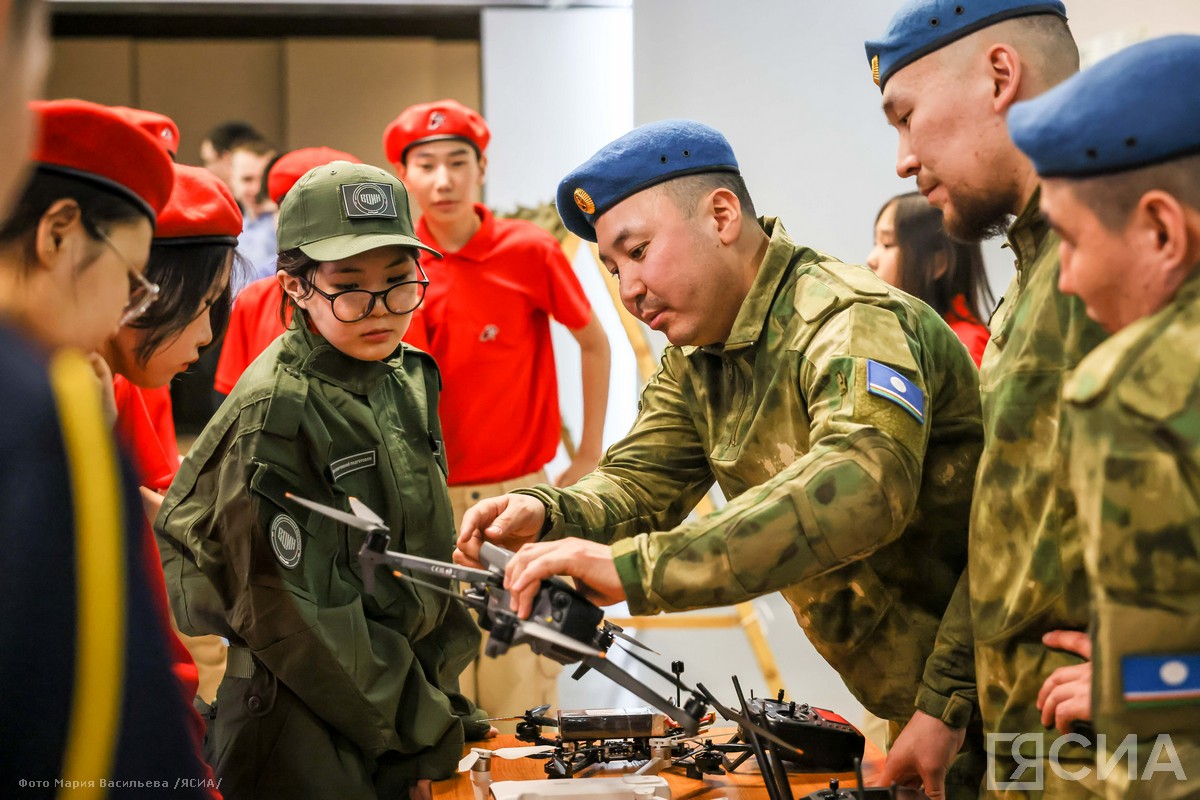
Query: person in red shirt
(259, 314)
(486, 321)
(913, 253)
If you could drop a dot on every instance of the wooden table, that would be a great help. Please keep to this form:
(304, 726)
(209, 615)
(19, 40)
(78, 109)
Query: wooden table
(745, 784)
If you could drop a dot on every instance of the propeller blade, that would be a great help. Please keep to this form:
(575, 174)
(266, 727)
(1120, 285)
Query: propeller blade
(360, 509)
(470, 758)
(620, 633)
(340, 516)
(537, 712)
(536, 631)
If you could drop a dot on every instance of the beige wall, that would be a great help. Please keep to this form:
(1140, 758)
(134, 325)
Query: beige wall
(300, 92)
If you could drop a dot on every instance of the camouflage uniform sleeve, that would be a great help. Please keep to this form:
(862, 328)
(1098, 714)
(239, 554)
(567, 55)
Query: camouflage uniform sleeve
(948, 689)
(301, 620)
(650, 480)
(850, 494)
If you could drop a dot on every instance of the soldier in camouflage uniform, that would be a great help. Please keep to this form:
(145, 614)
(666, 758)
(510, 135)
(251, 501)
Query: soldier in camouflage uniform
(839, 417)
(1116, 146)
(948, 72)
(329, 691)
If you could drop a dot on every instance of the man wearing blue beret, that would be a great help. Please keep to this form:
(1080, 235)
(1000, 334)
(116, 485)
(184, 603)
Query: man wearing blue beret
(949, 71)
(839, 417)
(1118, 149)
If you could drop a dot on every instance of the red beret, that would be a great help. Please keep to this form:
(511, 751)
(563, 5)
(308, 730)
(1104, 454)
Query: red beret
(201, 210)
(160, 126)
(428, 122)
(291, 167)
(97, 144)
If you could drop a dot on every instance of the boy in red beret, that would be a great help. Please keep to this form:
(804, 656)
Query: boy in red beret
(486, 321)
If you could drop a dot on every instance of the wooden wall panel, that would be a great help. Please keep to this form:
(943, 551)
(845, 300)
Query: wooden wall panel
(201, 83)
(100, 70)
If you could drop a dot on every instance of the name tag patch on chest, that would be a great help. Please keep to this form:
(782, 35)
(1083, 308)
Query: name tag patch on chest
(885, 382)
(344, 466)
(1161, 680)
(286, 541)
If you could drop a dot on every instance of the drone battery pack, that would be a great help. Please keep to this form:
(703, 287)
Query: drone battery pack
(610, 723)
(829, 743)
(627, 787)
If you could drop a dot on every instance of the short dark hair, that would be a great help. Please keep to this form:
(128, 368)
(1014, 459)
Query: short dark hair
(924, 246)
(687, 191)
(228, 135)
(1112, 198)
(185, 274)
(99, 208)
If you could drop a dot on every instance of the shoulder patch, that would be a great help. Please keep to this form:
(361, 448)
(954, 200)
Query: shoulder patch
(860, 279)
(286, 541)
(875, 333)
(885, 382)
(1160, 680)
(813, 299)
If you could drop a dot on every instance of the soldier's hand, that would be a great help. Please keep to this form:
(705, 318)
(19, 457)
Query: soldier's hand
(1066, 696)
(589, 563)
(510, 521)
(921, 755)
(421, 790)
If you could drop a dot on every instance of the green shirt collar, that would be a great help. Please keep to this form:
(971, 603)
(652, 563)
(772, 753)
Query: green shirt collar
(752, 316)
(1029, 231)
(319, 358)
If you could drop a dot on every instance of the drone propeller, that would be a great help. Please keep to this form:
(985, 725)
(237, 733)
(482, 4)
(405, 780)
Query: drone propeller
(533, 715)
(362, 523)
(470, 758)
(619, 632)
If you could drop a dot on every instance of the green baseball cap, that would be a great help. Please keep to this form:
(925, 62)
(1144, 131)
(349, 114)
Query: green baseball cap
(341, 209)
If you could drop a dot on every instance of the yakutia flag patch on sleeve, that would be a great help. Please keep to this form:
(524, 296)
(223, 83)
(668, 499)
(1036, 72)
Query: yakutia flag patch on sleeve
(1161, 680)
(886, 382)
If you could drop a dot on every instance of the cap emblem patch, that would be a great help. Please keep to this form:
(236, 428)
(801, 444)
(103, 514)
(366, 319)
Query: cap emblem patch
(367, 200)
(584, 201)
(875, 69)
(436, 120)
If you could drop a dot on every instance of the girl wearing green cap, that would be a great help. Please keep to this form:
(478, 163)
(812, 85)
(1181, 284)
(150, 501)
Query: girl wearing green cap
(330, 691)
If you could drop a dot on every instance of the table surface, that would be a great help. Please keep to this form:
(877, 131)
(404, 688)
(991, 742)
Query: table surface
(745, 784)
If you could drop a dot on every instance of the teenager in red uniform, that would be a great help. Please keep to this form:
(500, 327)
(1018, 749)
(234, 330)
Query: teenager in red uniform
(913, 253)
(486, 321)
(259, 313)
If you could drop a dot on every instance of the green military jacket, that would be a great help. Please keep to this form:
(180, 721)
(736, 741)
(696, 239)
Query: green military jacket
(1134, 409)
(852, 505)
(245, 562)
(1026, 568)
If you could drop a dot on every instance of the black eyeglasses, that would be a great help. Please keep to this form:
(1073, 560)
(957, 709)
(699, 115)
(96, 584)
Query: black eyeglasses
(142, 293)
(355, 304)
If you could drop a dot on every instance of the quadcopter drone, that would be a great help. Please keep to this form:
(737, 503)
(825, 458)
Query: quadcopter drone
(566, 627)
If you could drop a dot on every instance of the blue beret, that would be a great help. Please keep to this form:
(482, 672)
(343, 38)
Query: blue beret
(923, 26)
(642, 158)
(1136, 108)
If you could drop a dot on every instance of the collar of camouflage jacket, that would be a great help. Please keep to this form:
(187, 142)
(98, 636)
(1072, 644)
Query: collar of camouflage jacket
(1028, 233)
(317, 357)
(774, 269)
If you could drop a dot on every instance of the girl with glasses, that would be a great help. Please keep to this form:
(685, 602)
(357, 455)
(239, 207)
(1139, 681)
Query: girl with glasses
(329, 691)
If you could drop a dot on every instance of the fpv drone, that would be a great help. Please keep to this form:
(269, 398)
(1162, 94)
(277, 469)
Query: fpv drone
(568, 628)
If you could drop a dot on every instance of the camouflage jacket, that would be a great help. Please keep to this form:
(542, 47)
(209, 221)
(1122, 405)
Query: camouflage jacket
(847, 500)
(1134, 409)
(1026, 568)
(245, 562)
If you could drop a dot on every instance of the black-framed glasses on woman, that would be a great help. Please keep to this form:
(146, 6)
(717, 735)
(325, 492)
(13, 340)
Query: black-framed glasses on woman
(142, 293)
(355, 304)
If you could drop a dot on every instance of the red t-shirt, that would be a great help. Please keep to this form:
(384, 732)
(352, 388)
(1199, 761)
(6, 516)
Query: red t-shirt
(253, 324)
(486, 320)
(973, 333)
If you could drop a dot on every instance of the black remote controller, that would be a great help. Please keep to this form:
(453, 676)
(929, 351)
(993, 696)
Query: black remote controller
(828, 742)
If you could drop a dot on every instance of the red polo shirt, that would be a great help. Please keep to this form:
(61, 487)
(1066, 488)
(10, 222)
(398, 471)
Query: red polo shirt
(486, 320)
(253, 324)
(973, 333)
(145, 427)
